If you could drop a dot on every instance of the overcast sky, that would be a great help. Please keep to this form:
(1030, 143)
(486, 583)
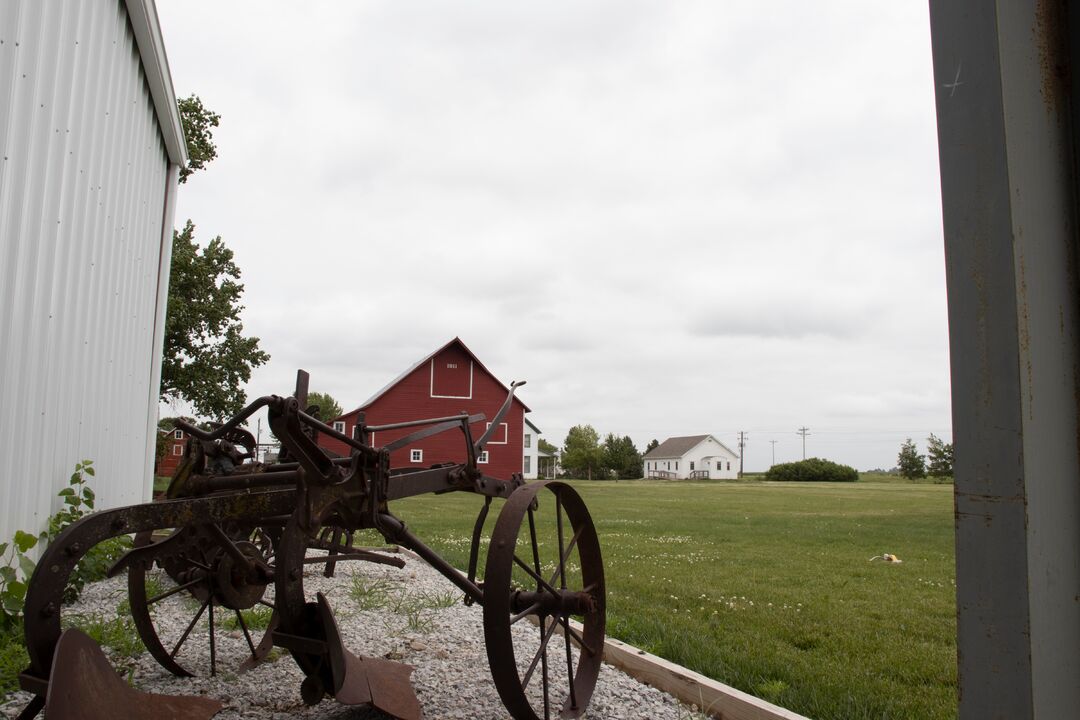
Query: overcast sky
(671, 218)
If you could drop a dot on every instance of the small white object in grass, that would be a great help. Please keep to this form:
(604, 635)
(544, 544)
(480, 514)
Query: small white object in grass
(887, 557)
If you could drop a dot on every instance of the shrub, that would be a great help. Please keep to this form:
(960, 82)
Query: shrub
(812, 470)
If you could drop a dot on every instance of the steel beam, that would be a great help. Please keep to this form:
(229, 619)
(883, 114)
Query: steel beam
(1004, 74)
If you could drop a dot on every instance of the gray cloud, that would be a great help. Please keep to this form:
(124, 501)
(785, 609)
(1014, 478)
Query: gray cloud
(669, 217)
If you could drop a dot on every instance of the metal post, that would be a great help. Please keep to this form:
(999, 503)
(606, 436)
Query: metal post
(1005, 131)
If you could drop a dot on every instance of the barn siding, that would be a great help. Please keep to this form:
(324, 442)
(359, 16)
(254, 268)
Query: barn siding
(85, 217)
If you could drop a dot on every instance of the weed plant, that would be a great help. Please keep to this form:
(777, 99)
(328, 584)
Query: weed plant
(17, 566)
(383, 594)
(255, 618)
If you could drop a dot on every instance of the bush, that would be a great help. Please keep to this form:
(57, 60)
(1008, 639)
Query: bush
(812, 470)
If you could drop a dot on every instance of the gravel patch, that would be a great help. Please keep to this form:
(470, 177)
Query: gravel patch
(414, 616)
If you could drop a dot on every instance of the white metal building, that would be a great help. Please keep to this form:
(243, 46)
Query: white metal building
(90, 150)
(701, 456)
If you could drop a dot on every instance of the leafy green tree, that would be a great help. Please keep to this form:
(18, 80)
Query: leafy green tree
(206, 355)
(621, 457)
(328, 406)
(198, 124)
(545, 446)
(812, 470)
(164, 435)
(582, 454)
(653, 444)
(940, 457)
(912, 465)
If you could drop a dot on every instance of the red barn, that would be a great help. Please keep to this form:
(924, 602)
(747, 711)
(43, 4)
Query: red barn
(174, 452)
(449, 381)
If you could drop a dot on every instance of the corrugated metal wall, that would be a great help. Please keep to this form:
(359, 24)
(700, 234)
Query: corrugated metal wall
(83, 178)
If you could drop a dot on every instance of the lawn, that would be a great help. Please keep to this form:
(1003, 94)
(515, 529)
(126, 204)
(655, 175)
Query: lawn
(769, 586)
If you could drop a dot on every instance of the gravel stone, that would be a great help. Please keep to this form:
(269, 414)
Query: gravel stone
(445, 645)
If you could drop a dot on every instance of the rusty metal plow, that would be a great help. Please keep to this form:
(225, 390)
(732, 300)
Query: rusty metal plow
(234, 534)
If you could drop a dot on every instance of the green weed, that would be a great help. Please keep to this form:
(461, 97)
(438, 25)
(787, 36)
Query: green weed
(374, 594)
(13, 660)
(256, 618)
(117, 632)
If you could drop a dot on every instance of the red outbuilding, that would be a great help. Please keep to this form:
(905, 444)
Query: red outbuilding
(174, 452)
(447, 382)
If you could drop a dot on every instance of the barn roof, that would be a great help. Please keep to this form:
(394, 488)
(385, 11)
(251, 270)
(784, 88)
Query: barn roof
(679, 446)
(456, 341)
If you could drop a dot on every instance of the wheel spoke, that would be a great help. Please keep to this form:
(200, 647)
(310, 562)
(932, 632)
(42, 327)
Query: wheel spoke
(564, 556)
(247, 635)
(169, 593)
(545, 635)
(213, 648)
(535, 547)
(525, 613)
(191, 625)
(547, 683)
(577, 636)
(543, 583)
(569, 665)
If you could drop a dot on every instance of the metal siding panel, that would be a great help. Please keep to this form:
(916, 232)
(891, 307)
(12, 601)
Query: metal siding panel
(82, 192)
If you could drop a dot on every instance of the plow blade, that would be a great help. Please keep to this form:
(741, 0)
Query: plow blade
(84, 686)
(384, 684)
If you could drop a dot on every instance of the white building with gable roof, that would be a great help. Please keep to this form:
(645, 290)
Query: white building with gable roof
(693, 456)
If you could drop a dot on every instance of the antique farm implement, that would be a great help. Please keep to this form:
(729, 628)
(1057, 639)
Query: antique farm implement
(234, 534)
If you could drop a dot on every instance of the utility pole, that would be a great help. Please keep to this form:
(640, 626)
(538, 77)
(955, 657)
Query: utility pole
(773, 451)
(804, 431)
(742, 444)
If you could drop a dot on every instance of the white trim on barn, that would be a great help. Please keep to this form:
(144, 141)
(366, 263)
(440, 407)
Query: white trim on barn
(91, 143)
(693, 456)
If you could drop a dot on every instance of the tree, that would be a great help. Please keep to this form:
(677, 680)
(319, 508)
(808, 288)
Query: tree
(812, 470)
(912, 465)
(198, 122)
(544, 446)
(162, 439)
(206, 356)
(653, 444)
(940, 456)
(328, 406)
(621, 457)
(581, 451)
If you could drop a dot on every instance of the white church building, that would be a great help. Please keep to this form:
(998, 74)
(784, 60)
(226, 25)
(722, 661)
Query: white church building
(693, 456)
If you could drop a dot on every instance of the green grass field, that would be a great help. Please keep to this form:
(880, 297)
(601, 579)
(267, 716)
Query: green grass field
(768, 586)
